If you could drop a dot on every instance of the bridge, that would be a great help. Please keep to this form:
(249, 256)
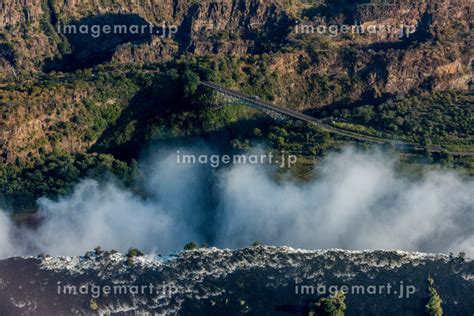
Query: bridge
(278, 112)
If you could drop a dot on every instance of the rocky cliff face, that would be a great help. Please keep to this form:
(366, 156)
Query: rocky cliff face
(34, 27)
(255, 281)
(417, 46)
(436, 55)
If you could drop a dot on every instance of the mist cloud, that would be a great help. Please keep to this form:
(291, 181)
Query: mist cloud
(358, 201)
(6, 243)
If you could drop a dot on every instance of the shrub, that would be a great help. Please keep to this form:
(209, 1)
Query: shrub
(98, 250)
(93, 305)
(333, 305)
(134, 252)
(433, 307)
(190, 246)
(191, 83)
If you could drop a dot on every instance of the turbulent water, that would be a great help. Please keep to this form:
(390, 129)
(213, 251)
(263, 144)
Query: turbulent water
(255, 281)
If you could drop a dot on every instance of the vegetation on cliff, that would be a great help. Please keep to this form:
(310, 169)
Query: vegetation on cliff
(62, 128)
(57, 127)
(433, 307)
(330, 306)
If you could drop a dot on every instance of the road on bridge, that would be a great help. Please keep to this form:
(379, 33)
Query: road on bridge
(329, 128)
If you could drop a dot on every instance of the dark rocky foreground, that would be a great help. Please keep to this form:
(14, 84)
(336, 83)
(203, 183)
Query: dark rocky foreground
(255, 281)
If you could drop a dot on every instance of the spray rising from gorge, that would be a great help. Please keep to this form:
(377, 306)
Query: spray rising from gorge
(357, 201)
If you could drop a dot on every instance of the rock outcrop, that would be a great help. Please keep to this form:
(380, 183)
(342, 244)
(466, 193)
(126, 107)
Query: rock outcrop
(434, 52)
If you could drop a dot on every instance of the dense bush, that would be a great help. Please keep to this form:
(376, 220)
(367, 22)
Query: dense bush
(190, 246)
(331, 306)
(436, 116)
(56, 174)
(433, 307)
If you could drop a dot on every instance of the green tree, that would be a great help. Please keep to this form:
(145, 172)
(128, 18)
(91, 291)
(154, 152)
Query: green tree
(98, 250)
(365, 113)
(445, 158)
(190, 246)
(134, 252)
(190, 82)
(433, 307)
(332, 306)
(93, 305)
(462, 256)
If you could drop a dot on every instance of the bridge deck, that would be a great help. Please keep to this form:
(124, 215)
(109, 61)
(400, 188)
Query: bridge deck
(321, 124)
